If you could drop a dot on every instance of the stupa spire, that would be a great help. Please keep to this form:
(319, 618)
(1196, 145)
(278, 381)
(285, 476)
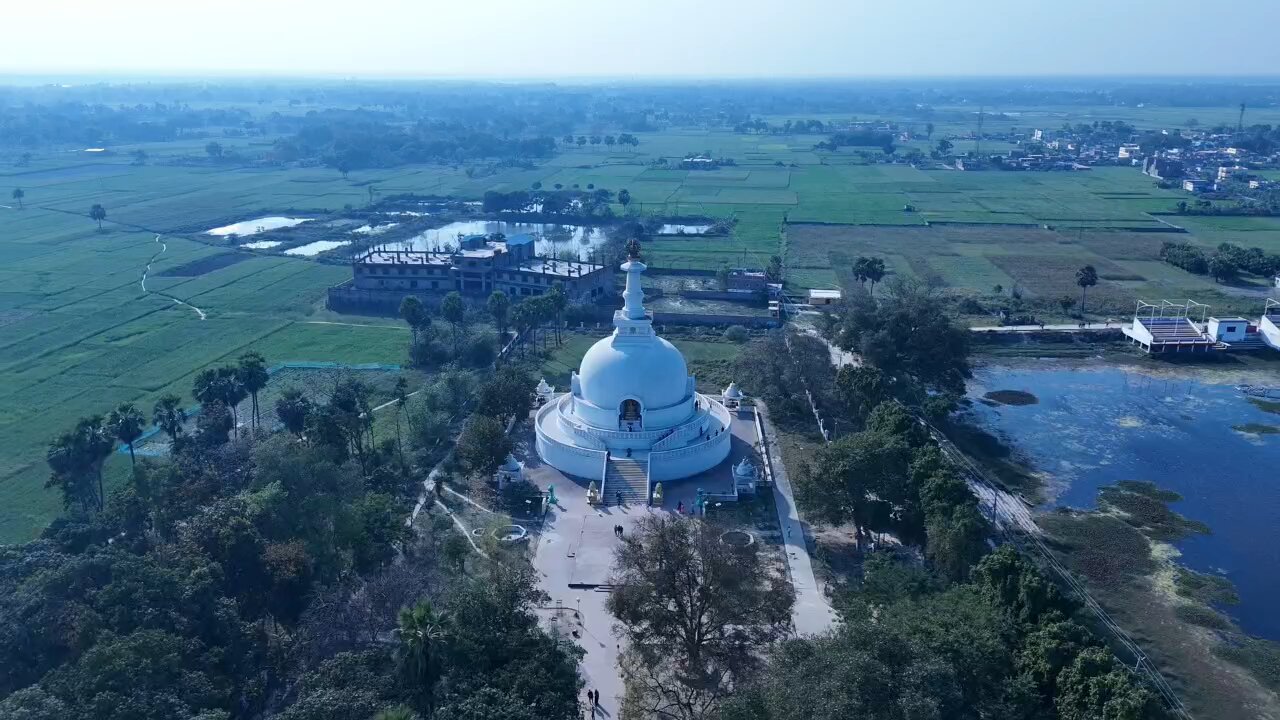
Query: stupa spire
(633, 294)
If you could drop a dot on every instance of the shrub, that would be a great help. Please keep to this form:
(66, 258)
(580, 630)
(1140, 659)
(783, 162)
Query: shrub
(736, 333)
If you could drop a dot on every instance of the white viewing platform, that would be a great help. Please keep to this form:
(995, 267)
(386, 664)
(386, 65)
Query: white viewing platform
(631, 416)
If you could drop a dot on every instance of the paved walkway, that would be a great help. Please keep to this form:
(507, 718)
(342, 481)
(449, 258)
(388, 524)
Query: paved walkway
(812, 613)
(1064, 327)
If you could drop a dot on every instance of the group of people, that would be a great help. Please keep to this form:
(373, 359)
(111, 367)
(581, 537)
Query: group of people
(593, 701)
(617, 531)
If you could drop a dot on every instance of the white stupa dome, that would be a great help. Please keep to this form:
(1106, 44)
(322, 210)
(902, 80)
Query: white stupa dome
(653, 372)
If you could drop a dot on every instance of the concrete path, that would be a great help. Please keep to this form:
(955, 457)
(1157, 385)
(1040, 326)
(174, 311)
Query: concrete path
(812, 613)
(1064, 327)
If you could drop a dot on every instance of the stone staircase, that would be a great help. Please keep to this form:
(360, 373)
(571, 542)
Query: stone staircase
(627, 476)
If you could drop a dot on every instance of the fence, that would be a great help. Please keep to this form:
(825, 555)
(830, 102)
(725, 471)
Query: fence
(1030, 543)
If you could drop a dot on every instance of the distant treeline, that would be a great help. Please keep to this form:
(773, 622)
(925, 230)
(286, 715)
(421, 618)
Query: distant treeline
(858, 138)
(350, 144)
(31, 126)
(1224, 263)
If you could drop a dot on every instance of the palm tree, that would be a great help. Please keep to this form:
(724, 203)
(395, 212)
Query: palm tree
(99, 213)
(214, 385)
(421, 631)
(125, 423)
(557, 301)
(454, 312)
(76, 458)
(624, 197)
(1086, 277)
(522, 319)
(169, 416)
(874, 271)
(252, 374)
(293, 408)
(499, 306)
(18, 194)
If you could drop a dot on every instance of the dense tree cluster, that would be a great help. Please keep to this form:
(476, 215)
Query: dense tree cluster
(891, 477)
(1223, 263)
(253, 576)
(1002, 645)
(908, 335)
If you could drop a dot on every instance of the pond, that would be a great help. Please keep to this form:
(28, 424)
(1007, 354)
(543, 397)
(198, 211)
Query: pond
(374, 229)
(549, 238)
(260, 244)
(676, 229)
(255, 226)
(317, 247)
(1189, 430)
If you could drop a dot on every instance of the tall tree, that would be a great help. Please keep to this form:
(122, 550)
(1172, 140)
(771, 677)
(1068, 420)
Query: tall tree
(18, 194)
(624, 198)
(401, 399)
(252, 375)
(422, 631)
(414, 315)
(454, 312)
(522, 317)
(483, 446)
(1086, 277)
(499, 306)
(76, 459)
(98, 213)
(293, 408)
(169, 416)
(126, 423)
(874, 271)
(557, 301)
(696, 614)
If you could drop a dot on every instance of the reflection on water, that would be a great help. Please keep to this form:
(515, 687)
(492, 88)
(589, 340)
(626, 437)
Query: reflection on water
(549, 238)
(1094, 426)
(317, 247)
(260, 244)
(253, 227)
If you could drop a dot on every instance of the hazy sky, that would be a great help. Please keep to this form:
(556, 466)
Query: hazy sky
(690, 38)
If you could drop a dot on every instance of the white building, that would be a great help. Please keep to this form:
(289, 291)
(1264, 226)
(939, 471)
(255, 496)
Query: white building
(823, 297)
(632, 416)
(1228, 329)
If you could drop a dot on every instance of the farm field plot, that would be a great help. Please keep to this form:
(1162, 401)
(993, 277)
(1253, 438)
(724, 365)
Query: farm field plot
(1039, 262)
(79, 334)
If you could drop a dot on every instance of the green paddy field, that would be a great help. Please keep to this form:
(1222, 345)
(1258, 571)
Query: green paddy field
(79, 334)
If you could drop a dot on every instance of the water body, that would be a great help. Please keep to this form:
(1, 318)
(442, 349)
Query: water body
(549, 238)
(260, 244)
(374, 229)
(684, 229)
(317, 247)
(1182, 429)
(255, 226)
